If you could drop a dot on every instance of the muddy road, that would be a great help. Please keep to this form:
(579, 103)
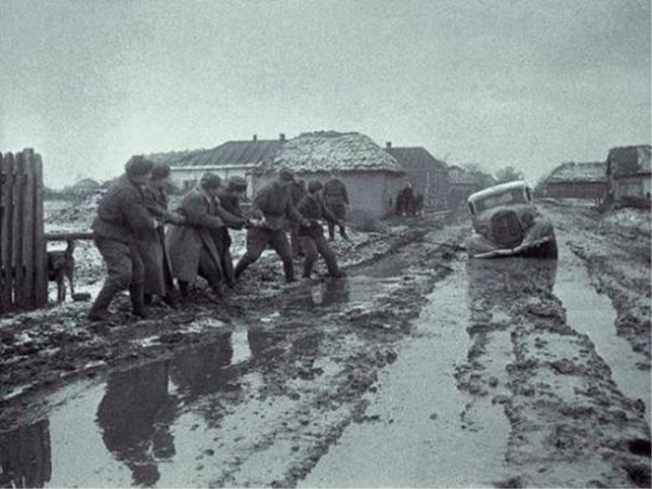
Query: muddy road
(421, 368)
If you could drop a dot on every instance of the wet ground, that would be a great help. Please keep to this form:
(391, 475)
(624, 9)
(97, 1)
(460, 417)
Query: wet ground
(421, 368)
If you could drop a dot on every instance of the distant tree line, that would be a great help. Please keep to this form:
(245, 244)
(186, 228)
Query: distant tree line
(483, 179)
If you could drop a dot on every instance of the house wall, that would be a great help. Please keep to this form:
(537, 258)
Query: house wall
(575, 190)
(457, 195)
(185, 178)
(372, 194)
(631, 186)
(433, 185)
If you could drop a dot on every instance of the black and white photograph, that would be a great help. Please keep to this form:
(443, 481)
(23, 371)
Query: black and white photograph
(325, 243)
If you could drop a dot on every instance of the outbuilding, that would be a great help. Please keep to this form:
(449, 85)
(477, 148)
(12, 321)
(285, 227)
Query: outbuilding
(576, 180)
(371, 175)
(628, 175)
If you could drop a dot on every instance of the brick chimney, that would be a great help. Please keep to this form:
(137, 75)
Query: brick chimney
(388, 144)
(281, 137)
(255, 137)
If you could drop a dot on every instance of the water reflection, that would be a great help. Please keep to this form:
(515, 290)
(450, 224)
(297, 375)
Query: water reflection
(25, 457)
(203, 370)
(507, 277)
(328, 293)
(135, 415)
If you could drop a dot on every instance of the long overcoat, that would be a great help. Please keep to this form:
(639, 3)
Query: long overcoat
(158, 273)
(205, 218)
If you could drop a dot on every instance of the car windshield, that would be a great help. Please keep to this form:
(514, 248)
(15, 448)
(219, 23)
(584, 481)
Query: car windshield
(514, 196)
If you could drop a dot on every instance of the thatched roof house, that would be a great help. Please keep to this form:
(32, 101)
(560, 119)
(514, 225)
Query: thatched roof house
(372, 176)
(576, 180)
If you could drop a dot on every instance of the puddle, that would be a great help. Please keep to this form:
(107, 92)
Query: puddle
(126, 430)
(417, 435)
(592, 314)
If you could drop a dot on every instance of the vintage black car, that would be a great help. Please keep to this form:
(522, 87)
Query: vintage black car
(506, 222)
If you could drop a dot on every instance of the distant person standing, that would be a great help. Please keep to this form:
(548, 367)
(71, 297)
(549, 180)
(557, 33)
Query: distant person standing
(122, 222)
(336, 199)
(272, 203)
(312, 208)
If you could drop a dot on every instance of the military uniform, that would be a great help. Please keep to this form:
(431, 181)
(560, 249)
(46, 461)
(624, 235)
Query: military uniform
(122, 222)
(274, 203)
(313, 241)
(336, 199)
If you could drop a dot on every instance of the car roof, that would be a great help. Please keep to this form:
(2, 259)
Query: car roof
(501, 187)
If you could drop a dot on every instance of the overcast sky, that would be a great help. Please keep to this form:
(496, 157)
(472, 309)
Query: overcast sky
(527, 83)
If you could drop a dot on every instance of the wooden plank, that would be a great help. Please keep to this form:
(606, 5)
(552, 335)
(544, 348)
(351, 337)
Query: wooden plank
(68, 235)
(2, 210)
(17, 230)
(40, 257)
(27, 197)
(6, 294)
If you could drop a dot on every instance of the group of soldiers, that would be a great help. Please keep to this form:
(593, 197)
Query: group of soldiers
(408, 202)
(146, 246)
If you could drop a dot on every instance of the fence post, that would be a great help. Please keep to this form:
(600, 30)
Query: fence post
(40, 256)
(6, 293)
(17, 229)
(27, 299)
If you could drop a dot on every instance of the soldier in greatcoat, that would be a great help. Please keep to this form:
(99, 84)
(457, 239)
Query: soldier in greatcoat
(313, 241)
(193, 246)
(123, 221)
(273, 204)
(158, 273)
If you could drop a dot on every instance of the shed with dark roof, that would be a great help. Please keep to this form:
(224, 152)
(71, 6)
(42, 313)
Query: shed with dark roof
(576, 180)
(233, 158)
(628, 173)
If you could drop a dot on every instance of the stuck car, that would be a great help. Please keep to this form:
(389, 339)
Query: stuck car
(506, 222)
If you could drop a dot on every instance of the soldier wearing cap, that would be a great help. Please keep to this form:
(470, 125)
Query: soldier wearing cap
(193, 246)
(122, 222)
(312, 237)
(273, 203)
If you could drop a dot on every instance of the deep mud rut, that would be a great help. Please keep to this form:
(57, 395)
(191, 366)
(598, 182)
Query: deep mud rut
(421, 368)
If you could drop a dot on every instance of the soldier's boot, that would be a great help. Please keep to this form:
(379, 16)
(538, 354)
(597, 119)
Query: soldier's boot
(99, 309)
(288, 268)
(137, 296)
(343, 234)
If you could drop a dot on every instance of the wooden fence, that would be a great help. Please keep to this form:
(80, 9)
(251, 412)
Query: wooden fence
(23, 278)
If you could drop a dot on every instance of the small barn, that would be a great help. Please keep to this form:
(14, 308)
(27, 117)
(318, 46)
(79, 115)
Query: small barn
(428, 175)
(462, 184)
(628, 174)
(233, 158)
(576, 180)
(372, 176)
